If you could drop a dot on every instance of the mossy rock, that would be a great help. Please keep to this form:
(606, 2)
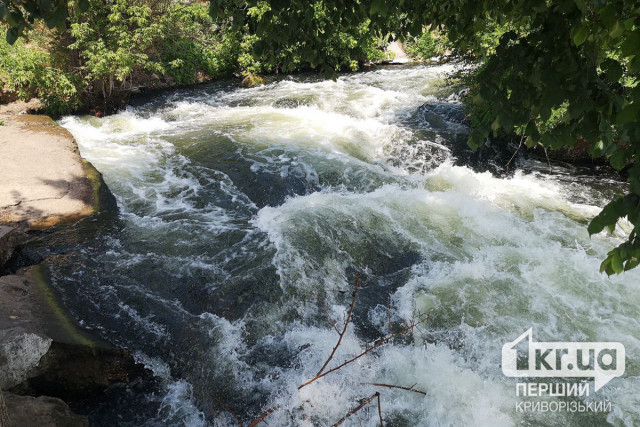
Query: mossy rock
(252, 80)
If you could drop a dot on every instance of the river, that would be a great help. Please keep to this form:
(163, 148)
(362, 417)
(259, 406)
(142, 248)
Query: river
(245, 216)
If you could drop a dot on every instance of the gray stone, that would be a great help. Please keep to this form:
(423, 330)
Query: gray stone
(42, 411)
(4, 414)
(20, 354)
(9, 239)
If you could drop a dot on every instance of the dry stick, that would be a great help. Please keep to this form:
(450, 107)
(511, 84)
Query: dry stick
(516, 152)
(398, 386)
(547, 156)
(333, 323)
(380, 410)
(226, 408)
(357, 408)
(376, 345)
(389, 314)
(262, 416)
(344, 329)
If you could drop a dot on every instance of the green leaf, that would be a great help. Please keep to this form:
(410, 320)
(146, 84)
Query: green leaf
(15, 18)
(60, 16)
(608, 16)
(12, 35)
(612, 68)
(44, 5)
(616, 262)
(598, 149)
(495, 125)
(608, 216)
(377, 6)
(631, 44)
(617, 30)
(579, 34)
(84, 5)
(634, 64)
(634, 178)
(633, 262)
(618, 160)
(628, 114)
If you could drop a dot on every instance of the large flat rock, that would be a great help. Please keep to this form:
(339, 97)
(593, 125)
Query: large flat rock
(43, 179)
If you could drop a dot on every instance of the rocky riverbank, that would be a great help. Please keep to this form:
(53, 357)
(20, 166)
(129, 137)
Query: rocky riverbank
(44, 355)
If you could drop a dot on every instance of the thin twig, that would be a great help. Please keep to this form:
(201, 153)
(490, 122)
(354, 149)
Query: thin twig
(324, 308)
(547, 156)
(368, 349)
(380, 411)
(346, 324)
(262, 416)
(226, 408)
(517, 149)
(398, 386)
(357, 408)
(389, 314)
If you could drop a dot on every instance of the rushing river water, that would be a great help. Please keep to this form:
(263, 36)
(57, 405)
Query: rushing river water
(240, 209)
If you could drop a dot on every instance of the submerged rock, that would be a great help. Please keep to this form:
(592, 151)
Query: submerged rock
(440, 114)
(40, 411)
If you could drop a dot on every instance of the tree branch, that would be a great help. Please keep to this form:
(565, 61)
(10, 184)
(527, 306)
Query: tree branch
(398, 386)
(333, 323)
(226, 408)
(360, 406)
(262, 416)
(346, 324)
(369, 349)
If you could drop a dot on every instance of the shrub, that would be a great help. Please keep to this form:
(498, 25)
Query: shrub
(192, 43)
(428, 45)
(31, 72)
(114, 40)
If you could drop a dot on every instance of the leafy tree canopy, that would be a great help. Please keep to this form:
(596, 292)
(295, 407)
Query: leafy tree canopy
(575, 60)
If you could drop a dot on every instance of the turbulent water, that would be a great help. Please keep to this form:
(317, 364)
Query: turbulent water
(245, 216)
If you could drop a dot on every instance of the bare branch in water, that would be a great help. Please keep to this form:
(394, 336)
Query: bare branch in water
(354, 295)
(389, 314)
(360, 406)
(368, 349)
(517, 149)
(226, 408)
(333, 322)
(399, 387)
(262, 416)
